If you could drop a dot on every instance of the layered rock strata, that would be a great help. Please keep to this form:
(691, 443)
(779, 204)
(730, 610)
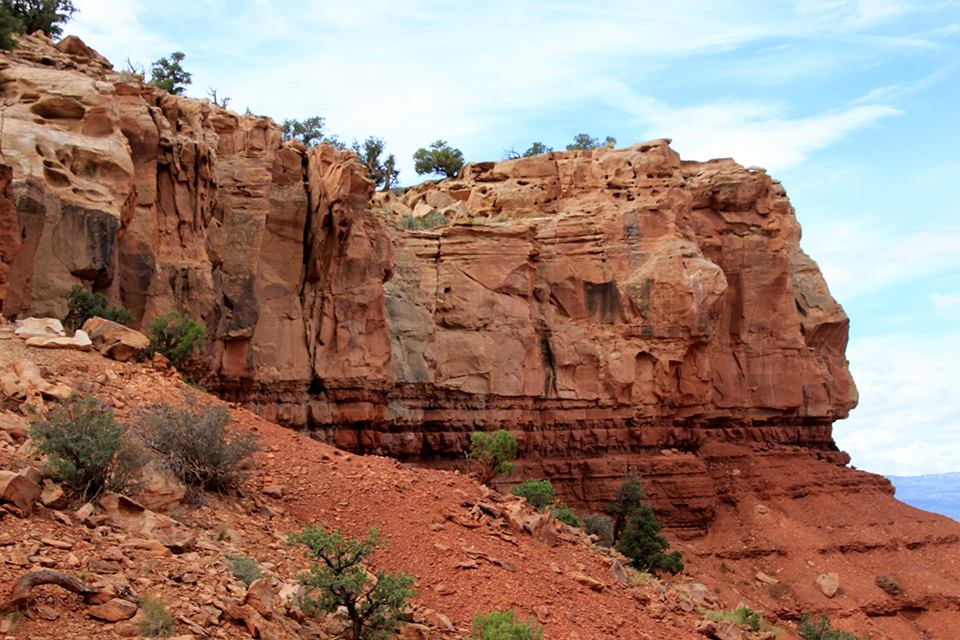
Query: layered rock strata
(601, 305)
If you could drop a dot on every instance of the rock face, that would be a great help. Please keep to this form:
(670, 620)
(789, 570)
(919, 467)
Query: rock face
(601, 305)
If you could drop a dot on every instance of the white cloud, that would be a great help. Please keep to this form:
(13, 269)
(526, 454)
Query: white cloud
(754, 135)
(947, 304)
(908, 421)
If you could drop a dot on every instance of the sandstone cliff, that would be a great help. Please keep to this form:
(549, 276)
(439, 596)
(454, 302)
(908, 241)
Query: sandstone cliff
(602, 305)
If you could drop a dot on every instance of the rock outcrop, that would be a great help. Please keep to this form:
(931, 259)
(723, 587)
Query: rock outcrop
(602, 305)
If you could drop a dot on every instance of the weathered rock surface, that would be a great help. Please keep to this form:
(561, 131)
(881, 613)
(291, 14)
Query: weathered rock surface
(602, 305)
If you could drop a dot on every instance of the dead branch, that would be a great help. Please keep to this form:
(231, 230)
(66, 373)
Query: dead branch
(20, 595)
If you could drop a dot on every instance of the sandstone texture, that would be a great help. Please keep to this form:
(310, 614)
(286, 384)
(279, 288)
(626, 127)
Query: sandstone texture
(616, 310)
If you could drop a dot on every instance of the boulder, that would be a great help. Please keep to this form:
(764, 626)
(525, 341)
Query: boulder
(18, 489)
(80, 341)
(829, 583)
(113, 611)
(39, 328)
(161, 489)
(260, 596)
(115, 340)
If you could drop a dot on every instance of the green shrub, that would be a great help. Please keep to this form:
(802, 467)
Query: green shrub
(888, 584)
(83, 305)
(626, 501)
(409, 222)
(645, 549)
(491, 451)
(742, 616)
(539, 493)
(600, 526)
(244, 568)
(432, 220)
(504, 625)
(86, 448)
(197, 446)
(169, 75)
(26, 16)
(439, 158)
(821, 628)
(157, 622)
(175, 337)
(565, 514)
(339, 580)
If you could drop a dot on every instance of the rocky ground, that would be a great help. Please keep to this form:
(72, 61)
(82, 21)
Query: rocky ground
(469, 548)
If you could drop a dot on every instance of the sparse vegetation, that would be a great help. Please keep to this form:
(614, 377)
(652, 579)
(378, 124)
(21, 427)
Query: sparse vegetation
(83, 305)
(778, 591)
(338, 579)
(157, 620)
(742, 616)
(539, 493)
(440, 158)
(244, 568)
(196, 443)
(565, 514)
(583, 142)
(821, 628)
(86, 448)
(492, 452)
(504, 625)
(600, 526)
(169, 75)
(176, 337)
(888, 584)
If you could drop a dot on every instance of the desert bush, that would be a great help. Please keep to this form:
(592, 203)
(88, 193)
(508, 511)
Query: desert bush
(175, 337)
(626, 500)
(539, 493)
(86, 448)
(157, 622)
(337, 579)
(888, 584)
(778, 591)
(821, 628)
(409, 222)
(600, 526)
(244, 568)
(432, 220)
(504, 625)
(646, 550)
(492, 451)
(742, 616)
(565, 514)
(196, 444)
(83, 305)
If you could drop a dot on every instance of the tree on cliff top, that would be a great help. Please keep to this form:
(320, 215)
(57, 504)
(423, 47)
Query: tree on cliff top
(310, 132)
(439, 158)
(27, 16)
(383, 173)
(583, 142)
(168, 75)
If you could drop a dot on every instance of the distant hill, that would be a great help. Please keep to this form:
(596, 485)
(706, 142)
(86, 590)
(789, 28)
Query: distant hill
(939, 493)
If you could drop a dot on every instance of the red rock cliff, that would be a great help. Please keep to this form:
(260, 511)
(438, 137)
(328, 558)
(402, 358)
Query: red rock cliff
(602, 305)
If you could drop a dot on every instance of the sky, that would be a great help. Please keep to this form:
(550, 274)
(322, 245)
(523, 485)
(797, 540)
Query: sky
(852, 104)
